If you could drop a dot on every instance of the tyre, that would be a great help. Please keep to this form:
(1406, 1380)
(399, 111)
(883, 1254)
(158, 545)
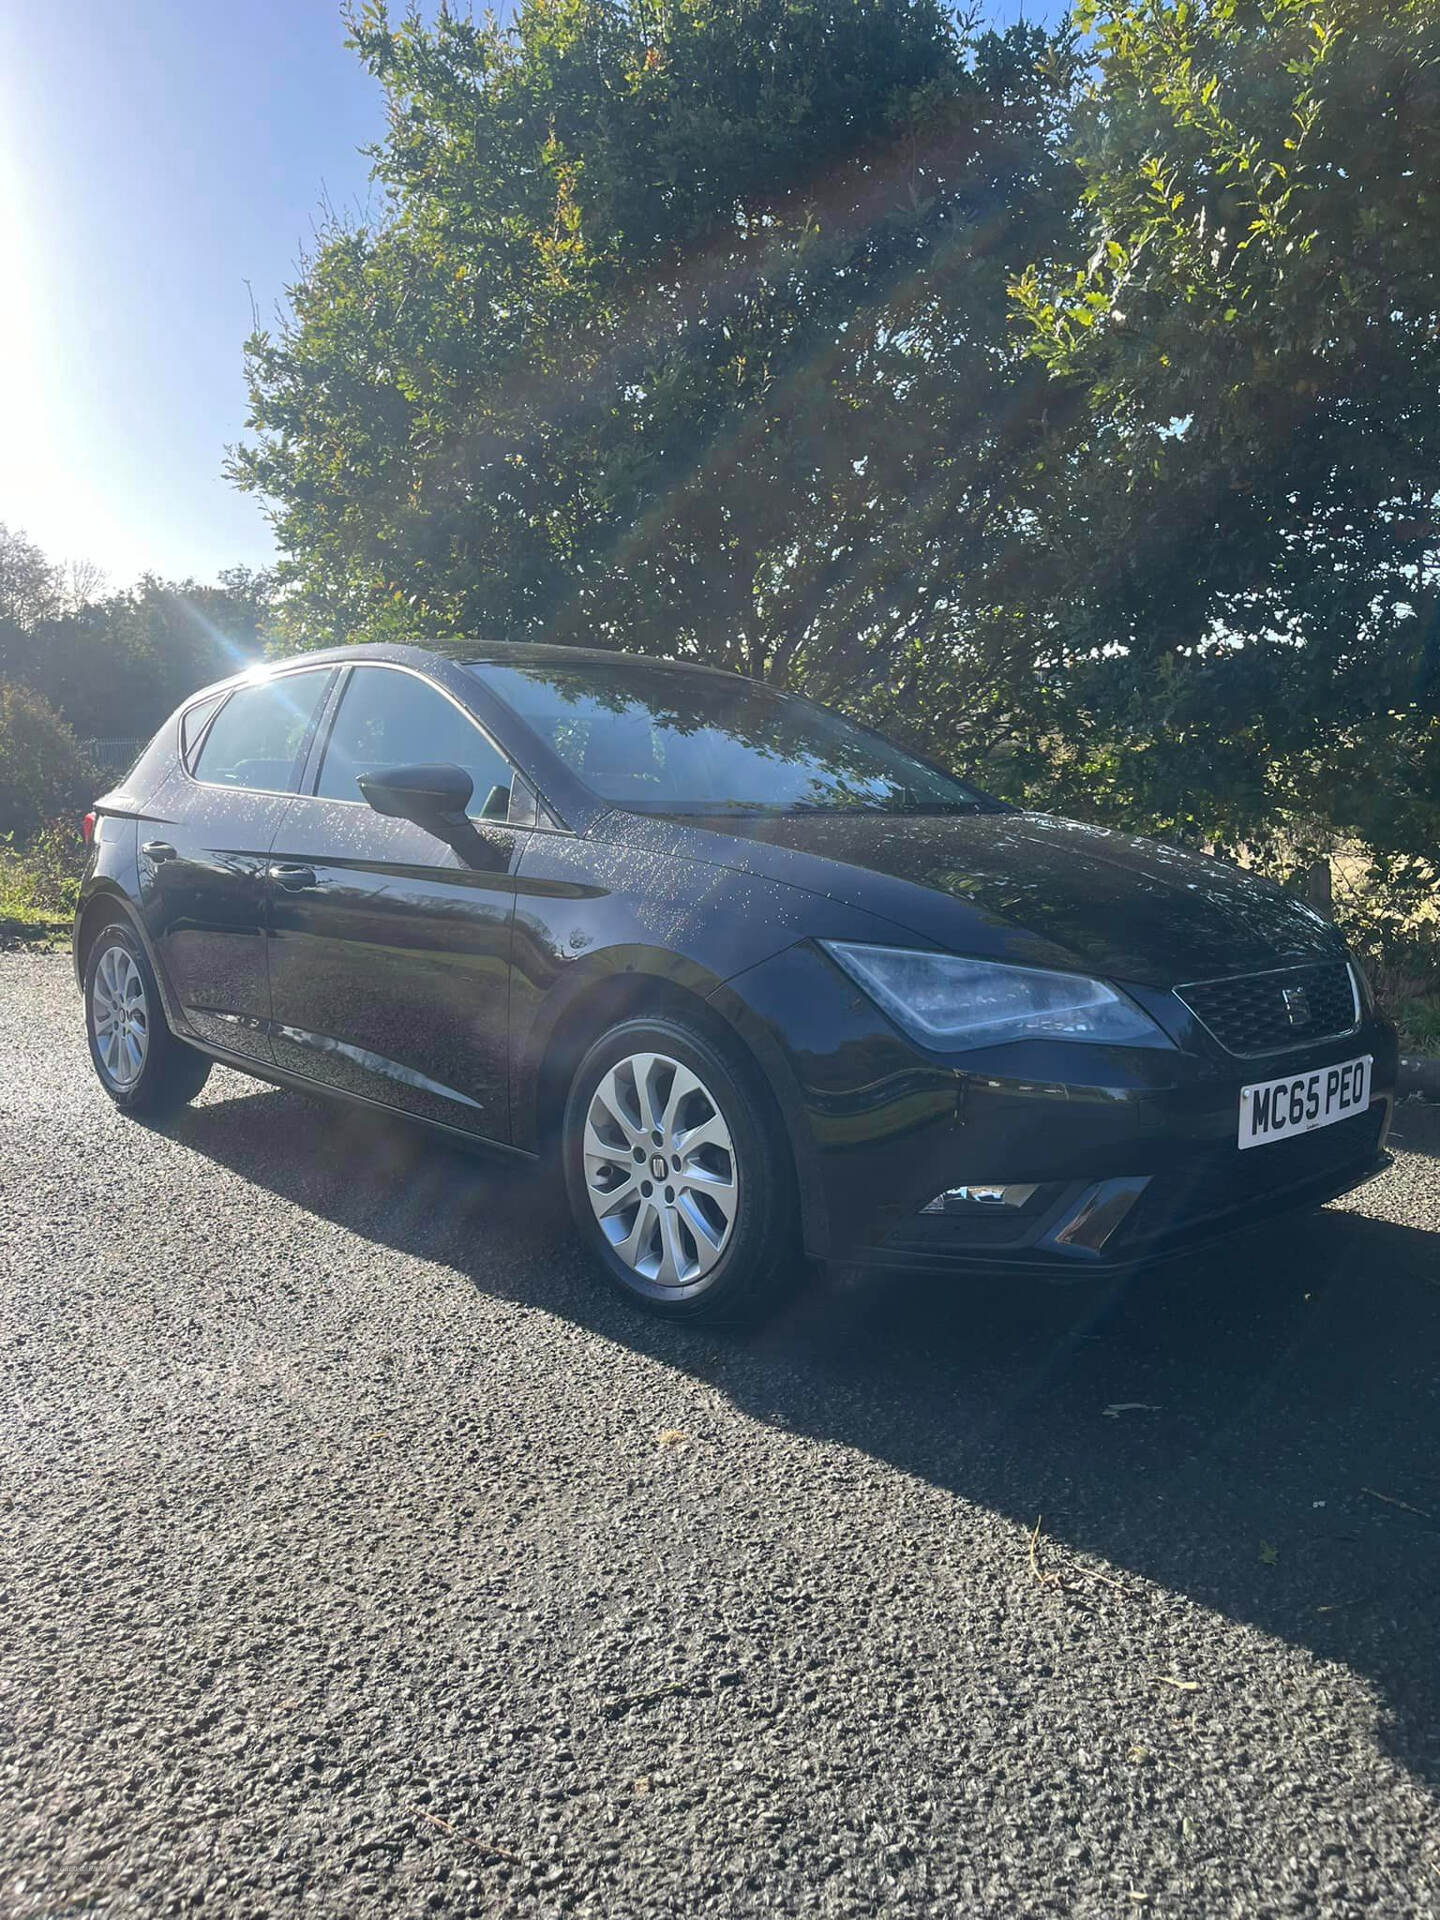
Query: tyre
(140, 1063)
(678, 1174)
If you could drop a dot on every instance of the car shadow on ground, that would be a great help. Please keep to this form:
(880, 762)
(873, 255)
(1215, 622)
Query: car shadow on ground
(1255, 1428)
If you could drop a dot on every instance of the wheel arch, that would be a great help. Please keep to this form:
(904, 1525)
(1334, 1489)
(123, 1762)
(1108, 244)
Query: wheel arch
(107, 906)
(601, 1000)
(102, 908)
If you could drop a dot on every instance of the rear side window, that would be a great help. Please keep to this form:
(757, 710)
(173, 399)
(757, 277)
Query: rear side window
(389, 719)
(192, 725)
(255, 739)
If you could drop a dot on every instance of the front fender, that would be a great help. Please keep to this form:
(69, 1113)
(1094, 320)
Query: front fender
(602, 924)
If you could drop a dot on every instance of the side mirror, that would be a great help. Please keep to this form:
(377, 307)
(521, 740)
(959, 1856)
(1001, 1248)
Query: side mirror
(434, 797)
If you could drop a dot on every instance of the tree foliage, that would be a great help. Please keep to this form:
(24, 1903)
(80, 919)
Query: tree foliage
(31, 588)
(116, 665)
(1253, 622)
(685, 329)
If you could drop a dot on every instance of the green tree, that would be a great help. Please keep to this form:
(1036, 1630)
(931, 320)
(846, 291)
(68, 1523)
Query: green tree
(1251, 627)
(31, 587)
(684, 329)
(114, 667)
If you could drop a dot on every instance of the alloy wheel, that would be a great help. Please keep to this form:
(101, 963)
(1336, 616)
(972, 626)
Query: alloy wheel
(120, 1017)
(660, 1169)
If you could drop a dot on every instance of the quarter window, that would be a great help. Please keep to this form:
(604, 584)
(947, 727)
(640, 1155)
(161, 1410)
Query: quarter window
(390, 719)
(192, 725)
(256, 737)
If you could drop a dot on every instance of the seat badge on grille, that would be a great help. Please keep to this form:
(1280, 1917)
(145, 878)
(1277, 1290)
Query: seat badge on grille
(1297, 1006)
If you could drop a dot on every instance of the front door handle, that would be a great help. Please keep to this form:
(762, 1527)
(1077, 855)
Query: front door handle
(158, 850)
(292, 878)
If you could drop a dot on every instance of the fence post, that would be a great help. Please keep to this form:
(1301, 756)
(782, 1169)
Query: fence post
(1319, 887)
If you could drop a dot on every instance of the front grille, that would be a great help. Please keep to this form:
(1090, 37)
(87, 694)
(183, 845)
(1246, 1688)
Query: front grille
(1268, 1012)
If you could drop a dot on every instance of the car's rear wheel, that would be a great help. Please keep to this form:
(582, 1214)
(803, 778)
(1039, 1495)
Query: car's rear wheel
(678, 1177)
(139, 1062)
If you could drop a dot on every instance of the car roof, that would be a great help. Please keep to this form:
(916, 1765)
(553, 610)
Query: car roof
(456, 651)
(461, 651)
(525, 653)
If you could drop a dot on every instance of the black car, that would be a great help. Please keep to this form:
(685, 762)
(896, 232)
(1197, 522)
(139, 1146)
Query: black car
(771, 986)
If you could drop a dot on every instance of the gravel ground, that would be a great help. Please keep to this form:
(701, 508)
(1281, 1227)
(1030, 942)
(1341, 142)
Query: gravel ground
(359, 1556)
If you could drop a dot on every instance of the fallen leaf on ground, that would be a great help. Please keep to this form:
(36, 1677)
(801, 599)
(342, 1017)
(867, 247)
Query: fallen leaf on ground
(1268, 1554)
(671, 1437)
(1183, 1686)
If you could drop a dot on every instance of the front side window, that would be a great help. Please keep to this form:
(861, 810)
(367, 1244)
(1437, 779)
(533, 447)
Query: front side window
(390, 719)
(666, 739)
(255, 739)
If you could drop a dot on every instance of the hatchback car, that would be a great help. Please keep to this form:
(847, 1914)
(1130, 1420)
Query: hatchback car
(766, 985)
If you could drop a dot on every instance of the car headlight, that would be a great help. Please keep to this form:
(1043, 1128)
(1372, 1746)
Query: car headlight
(943, 1000)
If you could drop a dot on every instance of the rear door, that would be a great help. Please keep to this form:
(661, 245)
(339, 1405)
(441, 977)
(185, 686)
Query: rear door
(204, 850)
(389, 952)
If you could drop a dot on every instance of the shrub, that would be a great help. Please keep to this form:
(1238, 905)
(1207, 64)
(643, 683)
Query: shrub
(43, 771)
(40, 883)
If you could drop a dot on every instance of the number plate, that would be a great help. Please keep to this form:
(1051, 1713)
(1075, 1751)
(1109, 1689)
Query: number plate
(1276, 1109)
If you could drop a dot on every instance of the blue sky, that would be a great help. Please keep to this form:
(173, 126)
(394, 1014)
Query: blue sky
(160, 161)
(154, 157)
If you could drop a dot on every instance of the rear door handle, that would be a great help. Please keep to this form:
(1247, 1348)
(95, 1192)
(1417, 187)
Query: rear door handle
(292, 878)
(158, 850)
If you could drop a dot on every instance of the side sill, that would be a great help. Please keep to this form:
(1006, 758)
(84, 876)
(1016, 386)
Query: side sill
(302, 1083)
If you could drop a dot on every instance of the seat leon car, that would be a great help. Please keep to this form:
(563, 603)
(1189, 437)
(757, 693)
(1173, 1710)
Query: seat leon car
(765, 986)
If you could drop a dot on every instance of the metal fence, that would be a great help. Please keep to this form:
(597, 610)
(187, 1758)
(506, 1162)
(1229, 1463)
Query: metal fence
(113, 756)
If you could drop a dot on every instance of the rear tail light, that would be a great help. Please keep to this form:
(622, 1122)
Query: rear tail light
(87, 827)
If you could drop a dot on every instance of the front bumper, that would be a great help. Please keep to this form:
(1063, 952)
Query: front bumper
(1132, 1151)
(1075, 1228)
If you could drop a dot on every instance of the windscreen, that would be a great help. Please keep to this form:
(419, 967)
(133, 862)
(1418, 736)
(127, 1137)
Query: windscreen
(661, 739)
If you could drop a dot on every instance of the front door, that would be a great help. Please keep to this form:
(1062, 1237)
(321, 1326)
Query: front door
(204, 851)
(390, 951)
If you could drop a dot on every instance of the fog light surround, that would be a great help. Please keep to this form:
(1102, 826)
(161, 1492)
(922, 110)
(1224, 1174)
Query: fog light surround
(980, 1199)
(1098, 1215)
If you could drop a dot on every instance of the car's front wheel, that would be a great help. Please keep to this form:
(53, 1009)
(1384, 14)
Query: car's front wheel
(140, 1063)
(678, 1177)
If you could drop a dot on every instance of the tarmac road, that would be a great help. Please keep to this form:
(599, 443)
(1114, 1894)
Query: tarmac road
(359, 1555)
